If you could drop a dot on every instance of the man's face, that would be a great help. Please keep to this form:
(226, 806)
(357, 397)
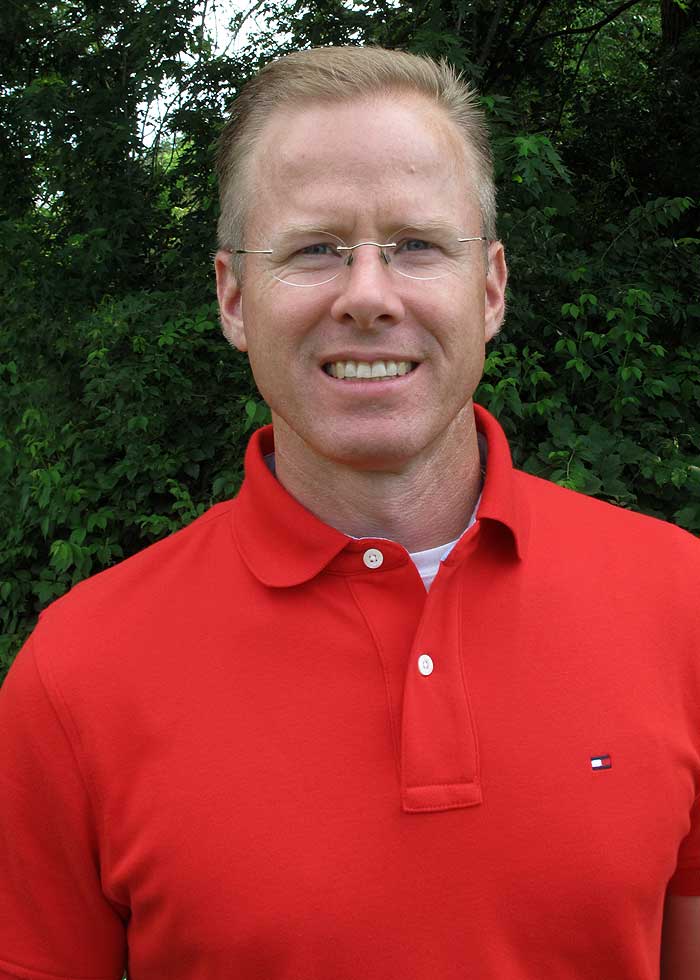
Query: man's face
(361, 171)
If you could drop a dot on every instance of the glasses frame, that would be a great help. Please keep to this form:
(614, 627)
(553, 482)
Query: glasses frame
(348, 262)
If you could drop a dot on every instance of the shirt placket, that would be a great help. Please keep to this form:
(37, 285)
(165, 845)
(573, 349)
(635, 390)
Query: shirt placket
(419, 639)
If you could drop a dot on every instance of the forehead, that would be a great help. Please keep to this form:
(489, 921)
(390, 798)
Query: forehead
(370, 162)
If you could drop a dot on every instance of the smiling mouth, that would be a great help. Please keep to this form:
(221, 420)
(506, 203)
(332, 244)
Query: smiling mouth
(368, 370)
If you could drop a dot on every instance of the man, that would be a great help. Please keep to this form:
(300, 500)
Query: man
(397, 711)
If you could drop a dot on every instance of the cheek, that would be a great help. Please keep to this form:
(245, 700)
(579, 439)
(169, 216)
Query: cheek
(282, 317)
(280, 347)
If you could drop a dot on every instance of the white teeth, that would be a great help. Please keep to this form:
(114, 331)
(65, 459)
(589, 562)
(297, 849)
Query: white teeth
(374, 370)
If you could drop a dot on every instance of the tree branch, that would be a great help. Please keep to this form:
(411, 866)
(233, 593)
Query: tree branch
(566, 98)
(515, 12)
(246, 16)
(591, 27)
(511, 46)
(530, 26)
(493, 27)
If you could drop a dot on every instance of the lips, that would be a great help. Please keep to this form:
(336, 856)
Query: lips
(376, 370)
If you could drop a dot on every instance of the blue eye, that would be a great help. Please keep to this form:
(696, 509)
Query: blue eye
(318, 248)
(414, 245)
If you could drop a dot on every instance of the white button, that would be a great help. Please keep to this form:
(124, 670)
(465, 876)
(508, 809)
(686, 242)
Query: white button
(373, 558)
(425, 664)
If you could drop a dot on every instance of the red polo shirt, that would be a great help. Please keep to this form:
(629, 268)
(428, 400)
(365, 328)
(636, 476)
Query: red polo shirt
(259, 749)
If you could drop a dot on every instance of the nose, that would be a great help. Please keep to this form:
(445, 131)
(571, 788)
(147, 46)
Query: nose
(368, 295)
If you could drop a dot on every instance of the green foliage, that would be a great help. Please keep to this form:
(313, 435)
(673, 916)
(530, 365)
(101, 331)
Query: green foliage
(596, 374)
(124, 413)
(140, 447)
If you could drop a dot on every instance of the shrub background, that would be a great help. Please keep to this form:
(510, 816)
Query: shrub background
(124, 414)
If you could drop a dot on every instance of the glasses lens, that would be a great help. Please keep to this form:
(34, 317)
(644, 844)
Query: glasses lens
(316, 257)
(430, 254)
(307, 260)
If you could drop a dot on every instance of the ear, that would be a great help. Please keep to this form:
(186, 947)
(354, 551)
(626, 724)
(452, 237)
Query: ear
(230, 298)
(495, 291)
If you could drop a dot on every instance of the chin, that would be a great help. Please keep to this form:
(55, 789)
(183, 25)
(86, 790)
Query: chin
(371, 453)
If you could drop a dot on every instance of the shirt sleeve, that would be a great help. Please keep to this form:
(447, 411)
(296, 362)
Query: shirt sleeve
(686, 878)
(55, 921)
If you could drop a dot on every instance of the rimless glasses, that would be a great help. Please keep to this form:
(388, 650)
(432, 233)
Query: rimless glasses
(312, 258)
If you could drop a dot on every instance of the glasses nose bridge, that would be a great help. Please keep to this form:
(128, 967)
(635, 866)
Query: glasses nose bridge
(350, 251)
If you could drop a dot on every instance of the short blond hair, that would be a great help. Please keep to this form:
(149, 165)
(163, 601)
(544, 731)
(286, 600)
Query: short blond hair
(341, 74)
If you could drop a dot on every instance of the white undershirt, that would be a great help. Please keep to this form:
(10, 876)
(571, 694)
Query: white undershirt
(428, 562)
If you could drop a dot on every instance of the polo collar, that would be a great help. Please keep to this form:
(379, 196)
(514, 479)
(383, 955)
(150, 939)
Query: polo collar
(503, 499)
(284, 544)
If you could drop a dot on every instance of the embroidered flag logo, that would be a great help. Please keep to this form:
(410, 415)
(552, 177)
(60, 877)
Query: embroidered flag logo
(601, 762)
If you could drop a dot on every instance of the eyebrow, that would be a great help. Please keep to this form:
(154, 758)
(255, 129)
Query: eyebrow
(431, 224)
(428, 224)
(290, 231)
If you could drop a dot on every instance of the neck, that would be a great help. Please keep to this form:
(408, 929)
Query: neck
(422, 504)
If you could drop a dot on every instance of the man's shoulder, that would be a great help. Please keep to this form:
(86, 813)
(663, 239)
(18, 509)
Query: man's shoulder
(153, 585)
(577, 519)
